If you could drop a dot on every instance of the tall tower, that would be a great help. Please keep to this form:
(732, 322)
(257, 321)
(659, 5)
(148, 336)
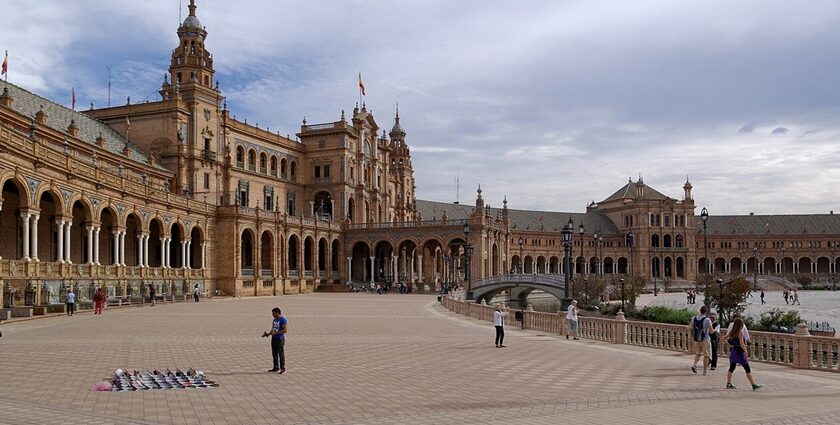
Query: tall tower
(403, 173)
(191, 62)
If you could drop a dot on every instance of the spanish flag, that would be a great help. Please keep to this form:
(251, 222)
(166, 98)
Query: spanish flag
(5, 68)
(361, 84)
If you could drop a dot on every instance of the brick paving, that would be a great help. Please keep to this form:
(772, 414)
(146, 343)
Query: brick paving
(359, 359)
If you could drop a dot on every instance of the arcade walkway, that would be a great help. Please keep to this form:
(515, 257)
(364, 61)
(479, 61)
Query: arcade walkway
(359, 358)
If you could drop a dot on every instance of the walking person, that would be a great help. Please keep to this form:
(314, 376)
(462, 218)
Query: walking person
(279, 327)
(499, 322)
(196, 292)
(572, 320)
(785, 294)
(714, 337)
(738, 354)
(152, 294)
(98, 300)
(762, 298)
(701, 327)
(795, 297)
(71, 302)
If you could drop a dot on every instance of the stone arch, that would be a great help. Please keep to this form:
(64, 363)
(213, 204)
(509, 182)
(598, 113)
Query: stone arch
(515, 264)
(805, 264)
(22, 189)
(360, 262)
(196, 253)
(79, 243)
(655, 269)
(823, 265)
(156, 233)
(769, 265)
(407, 251)
(383, 251)
(554, 264)
(336, 255)
(735, 264)
(292, 251)
(351, 207)
(177, 234)
(622, 265)
(529, 264)
(322, 254)
(293, 169)
(654, 241)
(308, 251)
(720, 265)
(680, 241)
(14, 198)
(786, 265)
(273, 166)
(668, 267)
(609, 265)
(541, 264)
(246, 252)
(240, 156)
(49, 205)
(266, 251)
(680, 267)
(133, 231)
(263, 163)
(495, 260)
(55, 193)
(108, 224)
(666, 241)
(283, 167)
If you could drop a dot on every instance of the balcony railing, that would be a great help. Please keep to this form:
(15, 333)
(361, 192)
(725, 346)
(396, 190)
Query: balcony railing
(308, 273)
(247, 272)
(209, 155)
(403, 224)
(322, 180)
(294, 273)
(266, 272)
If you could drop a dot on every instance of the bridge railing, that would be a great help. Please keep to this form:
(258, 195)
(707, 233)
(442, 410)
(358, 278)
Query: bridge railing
(545, 279)
(800, 350)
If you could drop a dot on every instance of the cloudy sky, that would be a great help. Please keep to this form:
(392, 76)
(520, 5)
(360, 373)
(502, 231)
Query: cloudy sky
(552, 103)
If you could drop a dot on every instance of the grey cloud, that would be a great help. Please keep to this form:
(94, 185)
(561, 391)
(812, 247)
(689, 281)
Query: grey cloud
(780, 130)
(749, 128)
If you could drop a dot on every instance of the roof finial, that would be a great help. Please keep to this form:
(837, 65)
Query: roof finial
(398, 111)
(192, 7)
(479, 189)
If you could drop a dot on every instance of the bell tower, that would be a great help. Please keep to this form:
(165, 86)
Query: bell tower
(191, 62)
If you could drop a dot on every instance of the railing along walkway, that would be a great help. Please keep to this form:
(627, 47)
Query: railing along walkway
(800, 350)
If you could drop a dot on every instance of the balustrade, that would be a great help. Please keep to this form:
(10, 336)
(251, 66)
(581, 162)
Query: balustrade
(794, 350)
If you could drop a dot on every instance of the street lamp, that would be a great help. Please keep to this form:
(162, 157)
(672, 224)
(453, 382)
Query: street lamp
(783, 262)
(704, 215)
(720, 298)
(567, 232)
(581, 231)
(521, 253)
(621, 281)
(755, 268)
(628, 240)
(446, 259)
(468, 257)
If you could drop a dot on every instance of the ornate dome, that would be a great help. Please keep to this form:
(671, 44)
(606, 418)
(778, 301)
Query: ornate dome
(192, 22)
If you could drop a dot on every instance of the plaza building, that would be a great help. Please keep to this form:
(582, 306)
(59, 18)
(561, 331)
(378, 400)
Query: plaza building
(179, 192)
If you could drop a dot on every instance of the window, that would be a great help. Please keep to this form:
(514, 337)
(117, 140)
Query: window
(667, 220)
(252, 160)
(326, 171)
(206, 143)
(243, 193)
(274, 166)
(290, 203)
(317, 171)
(262, 163)
(283, 168)
(206, 180)
(240, 157)
(293, 170)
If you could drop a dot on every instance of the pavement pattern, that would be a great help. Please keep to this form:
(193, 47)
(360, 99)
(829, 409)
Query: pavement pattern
(372, 359)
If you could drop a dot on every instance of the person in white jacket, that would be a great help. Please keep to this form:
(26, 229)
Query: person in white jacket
(572, 320)
(499, 321)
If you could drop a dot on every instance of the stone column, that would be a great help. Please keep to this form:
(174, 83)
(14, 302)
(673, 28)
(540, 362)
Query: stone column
(411, 270)
(34, 238)
(332, 208)
(420, 268)
(163, 252)
(183, 254)
(145, 250)
(122, 247)
(67, 226)
(203, 256)
(89, 244)
(140, 238)
(96, 245)
(60, 250)
(349, 269)
(371, 269)
(168, 251)
(115, 250)
(187, 256)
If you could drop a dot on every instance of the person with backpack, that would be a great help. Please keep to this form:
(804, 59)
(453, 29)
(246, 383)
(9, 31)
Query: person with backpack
(701, 327)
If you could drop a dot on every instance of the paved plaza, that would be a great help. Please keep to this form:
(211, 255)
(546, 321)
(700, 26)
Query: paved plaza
(361, 358)
(820, 306)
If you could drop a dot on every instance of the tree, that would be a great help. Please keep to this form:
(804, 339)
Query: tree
(588, 291)
(727, 296)
(633, 287)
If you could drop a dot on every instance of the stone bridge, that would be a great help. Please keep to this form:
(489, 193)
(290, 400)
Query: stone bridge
(520, 285)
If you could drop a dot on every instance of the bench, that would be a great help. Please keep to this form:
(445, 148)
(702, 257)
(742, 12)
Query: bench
(21, 311)
(5, 314)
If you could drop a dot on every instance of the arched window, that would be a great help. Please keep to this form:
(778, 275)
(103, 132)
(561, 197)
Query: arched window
(654, 241)
(680, 241)
(240, 157)
(263, 161)
(283, 168)
(293, 170)
(252, 160)
(273, 165)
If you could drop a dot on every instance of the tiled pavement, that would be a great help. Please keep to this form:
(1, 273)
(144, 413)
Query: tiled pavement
(359, 358)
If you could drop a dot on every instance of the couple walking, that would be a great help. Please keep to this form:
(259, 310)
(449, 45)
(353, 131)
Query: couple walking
(705, 333)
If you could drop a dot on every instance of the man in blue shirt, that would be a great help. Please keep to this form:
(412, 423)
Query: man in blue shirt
(278, 340)
(71, 302)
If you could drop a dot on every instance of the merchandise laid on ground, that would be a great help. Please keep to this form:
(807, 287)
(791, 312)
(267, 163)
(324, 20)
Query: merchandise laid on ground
(124, 380)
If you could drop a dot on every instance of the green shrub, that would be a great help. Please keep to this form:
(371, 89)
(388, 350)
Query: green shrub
(773, 320)
(612, 308)
(660, 314)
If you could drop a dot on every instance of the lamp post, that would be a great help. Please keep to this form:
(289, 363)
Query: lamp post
(446, 258)
(468, 257)
(704, 215)
(755, 268)
(783, 262)
(720, 295)
(521, 253)
(581, 231)
(567, 247)
(621, 281)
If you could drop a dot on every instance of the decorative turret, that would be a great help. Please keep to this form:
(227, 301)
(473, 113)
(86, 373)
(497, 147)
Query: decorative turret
(41, 116)
(73, 129)
(6, 99)
(191, 63)
(479, 201)
(640, 186)
(687, 188)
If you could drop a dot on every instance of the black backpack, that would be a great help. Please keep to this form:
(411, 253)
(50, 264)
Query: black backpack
(698, 333)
